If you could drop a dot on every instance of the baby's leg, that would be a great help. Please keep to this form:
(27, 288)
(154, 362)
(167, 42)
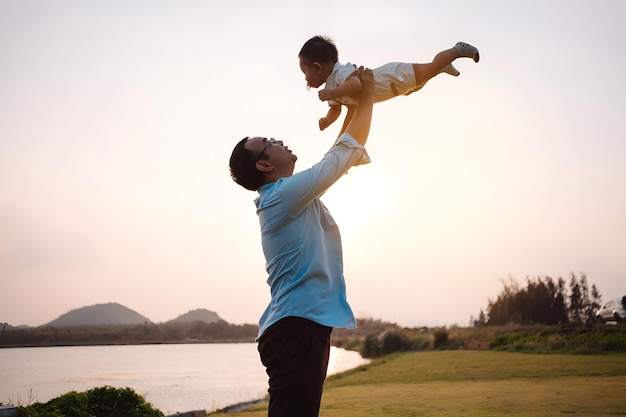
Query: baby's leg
(442, 62)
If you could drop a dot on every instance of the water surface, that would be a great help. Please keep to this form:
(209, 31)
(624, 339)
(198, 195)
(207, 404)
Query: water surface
(173, 378)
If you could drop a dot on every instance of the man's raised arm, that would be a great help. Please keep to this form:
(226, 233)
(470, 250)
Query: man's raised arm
(359, 126)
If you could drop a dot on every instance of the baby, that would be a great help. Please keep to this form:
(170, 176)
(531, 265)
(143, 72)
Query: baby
(320, 64)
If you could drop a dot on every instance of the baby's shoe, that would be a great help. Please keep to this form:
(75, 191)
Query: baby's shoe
(467, 50)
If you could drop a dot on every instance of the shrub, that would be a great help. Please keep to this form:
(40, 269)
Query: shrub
(613, 343)
(98, 402)
(371, 347)
(440, 338)
(395, 341)
(68, 405)
(421, 342)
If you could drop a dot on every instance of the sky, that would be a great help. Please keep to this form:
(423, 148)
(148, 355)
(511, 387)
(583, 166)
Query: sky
(117, 119)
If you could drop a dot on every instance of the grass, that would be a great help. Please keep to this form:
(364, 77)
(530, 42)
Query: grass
(476, 383)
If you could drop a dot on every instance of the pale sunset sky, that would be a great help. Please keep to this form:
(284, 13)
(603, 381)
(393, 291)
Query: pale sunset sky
(117, 119)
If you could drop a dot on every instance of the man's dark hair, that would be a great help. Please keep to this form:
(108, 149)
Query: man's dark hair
(243, 167)
(319, 49)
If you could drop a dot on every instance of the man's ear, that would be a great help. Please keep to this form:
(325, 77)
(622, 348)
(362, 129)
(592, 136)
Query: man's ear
(264, 165)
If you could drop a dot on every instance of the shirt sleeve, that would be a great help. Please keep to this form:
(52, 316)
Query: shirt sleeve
(300, 189)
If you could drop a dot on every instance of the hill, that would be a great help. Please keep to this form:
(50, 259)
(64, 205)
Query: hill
(99, 314)
(199, 314)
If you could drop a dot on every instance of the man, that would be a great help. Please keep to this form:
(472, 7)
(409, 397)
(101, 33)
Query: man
(303, 254)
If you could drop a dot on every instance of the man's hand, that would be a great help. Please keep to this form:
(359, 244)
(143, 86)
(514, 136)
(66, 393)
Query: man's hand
(359, 126)
(325, 94)
(366, 76)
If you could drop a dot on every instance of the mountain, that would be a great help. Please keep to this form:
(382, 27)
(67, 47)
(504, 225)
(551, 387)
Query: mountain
(111, 313)
(200, 314)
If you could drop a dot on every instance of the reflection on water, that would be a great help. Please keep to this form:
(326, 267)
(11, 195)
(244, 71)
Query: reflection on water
(172, 377)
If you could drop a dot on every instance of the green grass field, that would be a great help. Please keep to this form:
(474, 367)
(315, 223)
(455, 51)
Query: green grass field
(477, 383)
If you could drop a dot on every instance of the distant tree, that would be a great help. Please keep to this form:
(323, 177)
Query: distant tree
(544, 301)
(576, 306)
(480, 321)
(590, 301)
(481, 318)
(585, 313)
(129, 334)
(500, 310)
(558, 307)
(596, 301)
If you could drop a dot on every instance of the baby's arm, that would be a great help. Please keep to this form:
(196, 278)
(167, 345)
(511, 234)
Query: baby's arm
(333, 114)
(351, 87)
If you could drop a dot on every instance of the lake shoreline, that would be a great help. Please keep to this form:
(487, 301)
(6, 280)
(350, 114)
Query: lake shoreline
(171, 377)
(234, 408)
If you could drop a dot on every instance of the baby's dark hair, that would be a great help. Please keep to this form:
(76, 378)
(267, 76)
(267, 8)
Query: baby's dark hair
(319, 49)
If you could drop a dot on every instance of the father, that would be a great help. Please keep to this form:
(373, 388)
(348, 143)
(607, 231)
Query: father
(303, 254)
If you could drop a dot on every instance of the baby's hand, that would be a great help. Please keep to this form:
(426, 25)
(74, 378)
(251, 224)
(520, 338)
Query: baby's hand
(324, 123)
(325, 94)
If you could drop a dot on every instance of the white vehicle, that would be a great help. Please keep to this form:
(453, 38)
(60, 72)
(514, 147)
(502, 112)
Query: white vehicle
(613, 310)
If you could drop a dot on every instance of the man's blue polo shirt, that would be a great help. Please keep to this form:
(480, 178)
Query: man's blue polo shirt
(302, 244)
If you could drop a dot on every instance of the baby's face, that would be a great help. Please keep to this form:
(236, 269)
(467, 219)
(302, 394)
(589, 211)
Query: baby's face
(313, 73)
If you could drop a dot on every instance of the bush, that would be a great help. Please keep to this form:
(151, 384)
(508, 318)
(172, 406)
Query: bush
(568, 338)
(98, 402)
(613, 343)
(371, 347)
(562, 339)
(440, 338)
(421, 342)
(395, 341)
(389, 342)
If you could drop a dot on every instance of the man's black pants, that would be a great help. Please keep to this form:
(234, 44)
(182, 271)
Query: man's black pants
(295, 354)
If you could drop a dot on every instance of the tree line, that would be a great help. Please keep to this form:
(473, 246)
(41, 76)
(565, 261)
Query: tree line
(146, 333)
(543, 301)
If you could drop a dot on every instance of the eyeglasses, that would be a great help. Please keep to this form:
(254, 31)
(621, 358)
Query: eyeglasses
(269, 142)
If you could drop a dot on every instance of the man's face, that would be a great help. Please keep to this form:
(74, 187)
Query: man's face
(313, 73)
(278, 155)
